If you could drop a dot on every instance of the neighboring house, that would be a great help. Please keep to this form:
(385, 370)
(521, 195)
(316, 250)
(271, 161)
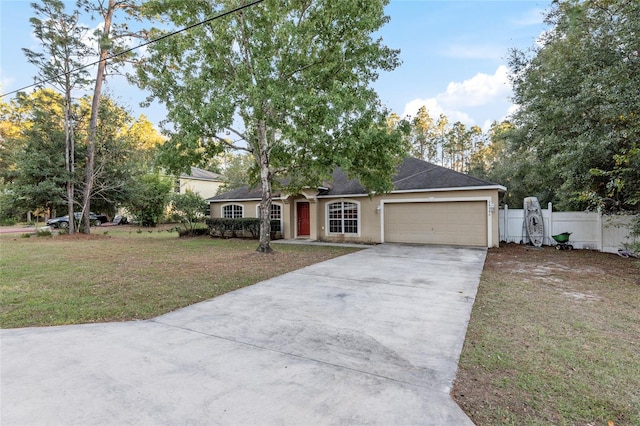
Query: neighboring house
(201, 182)
(429, 205)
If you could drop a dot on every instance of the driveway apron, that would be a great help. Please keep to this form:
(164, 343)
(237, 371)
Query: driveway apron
(372, 337)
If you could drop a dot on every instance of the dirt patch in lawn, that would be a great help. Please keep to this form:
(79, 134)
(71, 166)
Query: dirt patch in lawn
(82, 237)
(554, 338)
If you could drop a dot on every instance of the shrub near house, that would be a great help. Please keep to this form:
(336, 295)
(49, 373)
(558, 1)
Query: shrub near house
(240, 228)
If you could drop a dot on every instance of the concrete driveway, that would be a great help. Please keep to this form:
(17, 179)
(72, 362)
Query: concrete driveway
(368, 338)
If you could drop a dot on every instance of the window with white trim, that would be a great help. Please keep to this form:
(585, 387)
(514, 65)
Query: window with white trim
(343, 217)
(276, 214)
(232, 211)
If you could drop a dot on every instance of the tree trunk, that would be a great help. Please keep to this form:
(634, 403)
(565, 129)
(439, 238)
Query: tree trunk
(265, 178)
(93, 123)
(69, 156)
(70, 212)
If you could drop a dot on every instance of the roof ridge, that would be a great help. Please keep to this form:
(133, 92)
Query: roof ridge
(416, 174)
(449, 170)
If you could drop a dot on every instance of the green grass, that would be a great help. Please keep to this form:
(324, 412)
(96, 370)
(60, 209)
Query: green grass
(126, 275)
(555, 347)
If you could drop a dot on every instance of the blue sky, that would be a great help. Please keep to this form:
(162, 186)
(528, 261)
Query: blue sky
(454, 56)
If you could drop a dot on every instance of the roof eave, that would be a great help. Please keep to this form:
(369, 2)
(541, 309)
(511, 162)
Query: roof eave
(203, 179)
(499, 188)
(238, 200)
(455, 188)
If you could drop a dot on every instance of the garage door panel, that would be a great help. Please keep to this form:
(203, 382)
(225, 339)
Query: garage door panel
(457, 223)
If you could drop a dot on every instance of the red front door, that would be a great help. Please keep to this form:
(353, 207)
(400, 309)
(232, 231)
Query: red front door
(303, 219)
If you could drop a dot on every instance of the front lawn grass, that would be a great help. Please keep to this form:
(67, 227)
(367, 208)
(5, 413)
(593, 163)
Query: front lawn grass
(554, 339)
(129, 274)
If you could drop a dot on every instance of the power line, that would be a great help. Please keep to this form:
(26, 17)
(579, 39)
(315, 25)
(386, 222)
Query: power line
(115, 55)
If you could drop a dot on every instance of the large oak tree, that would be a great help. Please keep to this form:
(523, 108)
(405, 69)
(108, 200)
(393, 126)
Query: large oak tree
(286, 80)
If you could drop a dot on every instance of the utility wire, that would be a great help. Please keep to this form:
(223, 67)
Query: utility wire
(115, 55)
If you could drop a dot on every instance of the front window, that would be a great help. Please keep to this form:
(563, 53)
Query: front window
(343, 217)
(232, 211)
(276, 214)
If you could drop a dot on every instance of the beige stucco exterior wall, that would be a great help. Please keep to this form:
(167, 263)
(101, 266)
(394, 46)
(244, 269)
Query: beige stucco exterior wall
(250, 208)
(371, 223)
(370, 227)
(206, 188)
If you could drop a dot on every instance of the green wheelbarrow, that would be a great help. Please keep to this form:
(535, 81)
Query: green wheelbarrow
(562, 241)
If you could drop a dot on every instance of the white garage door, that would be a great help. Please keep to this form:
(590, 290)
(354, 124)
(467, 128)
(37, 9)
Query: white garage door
(455, 223)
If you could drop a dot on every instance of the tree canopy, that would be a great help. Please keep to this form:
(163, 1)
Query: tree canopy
(577, 129)
(238, 171)
(41, 175)
(286, 80)
(33, 169)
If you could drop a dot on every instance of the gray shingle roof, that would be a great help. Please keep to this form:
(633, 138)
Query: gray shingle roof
(412, 174)
(243, 193)
(418, 174)
(201, 174)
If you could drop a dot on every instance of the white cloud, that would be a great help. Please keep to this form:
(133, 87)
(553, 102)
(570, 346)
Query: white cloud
(89, 37)
(531, 17)
(477, 91)
(487, 125)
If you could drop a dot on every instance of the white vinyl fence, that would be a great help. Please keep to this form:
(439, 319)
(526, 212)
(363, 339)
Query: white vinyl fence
(589, 230)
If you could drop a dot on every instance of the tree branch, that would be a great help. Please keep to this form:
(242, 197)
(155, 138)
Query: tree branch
(238, 133)
(231, 144)
(245, 48)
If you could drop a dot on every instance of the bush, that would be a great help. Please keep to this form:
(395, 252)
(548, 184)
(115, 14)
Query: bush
(635, 234)
(150, 194)
(241, 227)
(192, 232)
(9, 212)
(9, 221)
(188, 209)
(43, 233)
